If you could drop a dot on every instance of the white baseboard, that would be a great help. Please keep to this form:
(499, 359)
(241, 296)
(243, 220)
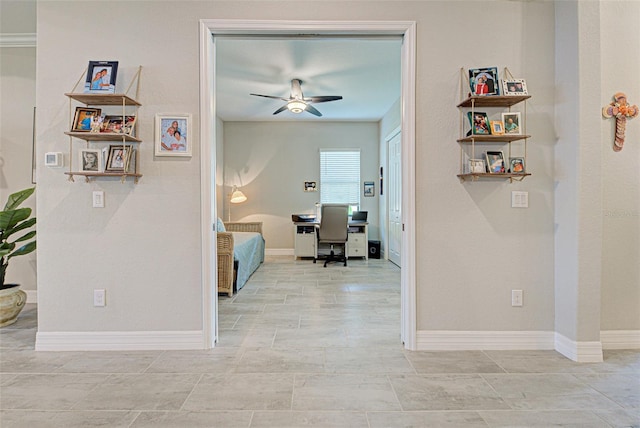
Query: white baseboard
(581, 352)
(119, 340)
(445, 340)
(278, 252)
(620, 339)
(32, 296)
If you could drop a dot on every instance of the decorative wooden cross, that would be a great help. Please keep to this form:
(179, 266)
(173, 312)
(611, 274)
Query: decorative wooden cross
(621, 110)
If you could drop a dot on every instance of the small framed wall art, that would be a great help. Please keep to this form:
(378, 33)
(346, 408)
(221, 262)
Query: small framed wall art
(101, 77)
(173, 135)
(369, 189)
(310, 186)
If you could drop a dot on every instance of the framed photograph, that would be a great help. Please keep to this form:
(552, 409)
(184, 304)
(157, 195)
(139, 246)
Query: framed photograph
(476, 166)
(119, 125)
(495, 162)
(173, 135)
(310, 186)
(479, 123)
(101, 77)
(90, 160)
(516, 165)
(514, 87)
(497, 128)
(511, 122)
(118, 159)
(484, 81)
(83, 118)
(369, 189)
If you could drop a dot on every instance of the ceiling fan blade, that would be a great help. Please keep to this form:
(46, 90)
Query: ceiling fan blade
(313, 110)
(281, 109)
(323, 99)
(272, 97)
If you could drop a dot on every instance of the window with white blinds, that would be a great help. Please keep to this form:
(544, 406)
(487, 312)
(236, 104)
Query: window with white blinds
(340, 176)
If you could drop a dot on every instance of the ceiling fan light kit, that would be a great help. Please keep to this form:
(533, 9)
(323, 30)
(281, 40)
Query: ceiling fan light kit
(296, 106)
(297, 103)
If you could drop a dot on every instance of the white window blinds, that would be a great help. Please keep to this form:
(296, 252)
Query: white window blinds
(340, 176)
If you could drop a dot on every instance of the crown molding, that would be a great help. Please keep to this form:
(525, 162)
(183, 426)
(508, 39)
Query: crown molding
(18, 40)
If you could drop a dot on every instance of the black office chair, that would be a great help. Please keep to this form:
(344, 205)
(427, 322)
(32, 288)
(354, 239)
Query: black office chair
(333, 231)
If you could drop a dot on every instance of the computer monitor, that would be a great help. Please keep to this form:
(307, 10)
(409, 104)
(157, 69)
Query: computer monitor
(359, 216)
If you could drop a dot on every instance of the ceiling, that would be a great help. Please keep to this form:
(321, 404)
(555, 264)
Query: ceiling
(364, 71)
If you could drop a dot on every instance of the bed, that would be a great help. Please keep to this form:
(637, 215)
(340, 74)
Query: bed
(240, 253)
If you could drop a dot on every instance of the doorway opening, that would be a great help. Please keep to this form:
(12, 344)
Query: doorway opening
(209, 134)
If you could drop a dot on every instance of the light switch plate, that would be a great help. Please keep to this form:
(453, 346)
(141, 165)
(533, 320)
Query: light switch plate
(98, 199)
(519, 199)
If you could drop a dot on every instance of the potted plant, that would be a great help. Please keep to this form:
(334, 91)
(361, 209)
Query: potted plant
(16, 239)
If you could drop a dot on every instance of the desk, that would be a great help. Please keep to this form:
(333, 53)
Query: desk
(306, 243)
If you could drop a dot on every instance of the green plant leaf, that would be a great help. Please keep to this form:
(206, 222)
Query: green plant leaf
(25, 224)
(9, 219)
(26, 236)
(15, 199)
(25, 249)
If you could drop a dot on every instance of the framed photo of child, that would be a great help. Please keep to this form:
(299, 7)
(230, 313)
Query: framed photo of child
(479, 122)
(516, 165)
(511, 122)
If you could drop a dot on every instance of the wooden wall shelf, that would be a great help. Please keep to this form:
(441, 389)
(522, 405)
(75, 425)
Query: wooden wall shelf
(103, 136)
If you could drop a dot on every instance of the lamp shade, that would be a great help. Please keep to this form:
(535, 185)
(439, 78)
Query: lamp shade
(237, 197)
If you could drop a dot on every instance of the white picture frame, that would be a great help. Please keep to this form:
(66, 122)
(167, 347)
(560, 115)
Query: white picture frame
(512, 122)
(90, 160)
(514, 87)
(168, 126)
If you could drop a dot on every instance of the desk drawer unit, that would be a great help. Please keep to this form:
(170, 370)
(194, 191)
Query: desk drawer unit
(357, 245)
(305, 243)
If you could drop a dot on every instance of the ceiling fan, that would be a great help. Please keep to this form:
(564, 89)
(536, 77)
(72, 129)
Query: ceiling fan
(297, 103)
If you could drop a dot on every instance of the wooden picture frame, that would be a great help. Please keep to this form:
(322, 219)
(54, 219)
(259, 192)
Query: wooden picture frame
(90, 160)
(83, 117)
(495, 162)
(497, 127)
(119, 158)
(101, 77)
(514, 87)
(512, 123)
(479, 122)
(484, 81)
(173, 135)
(517, 165)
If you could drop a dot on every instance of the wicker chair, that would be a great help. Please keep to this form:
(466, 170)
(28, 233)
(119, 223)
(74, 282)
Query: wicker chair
(226, 271)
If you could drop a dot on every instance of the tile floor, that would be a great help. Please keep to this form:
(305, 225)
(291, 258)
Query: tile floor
(301, 345)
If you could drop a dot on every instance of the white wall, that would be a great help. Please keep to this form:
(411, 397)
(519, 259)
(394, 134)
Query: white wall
(620, 170)
(144, 247)
(270, 161)
(17, 100)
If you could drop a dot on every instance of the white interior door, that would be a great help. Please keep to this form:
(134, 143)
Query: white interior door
(395, 197)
